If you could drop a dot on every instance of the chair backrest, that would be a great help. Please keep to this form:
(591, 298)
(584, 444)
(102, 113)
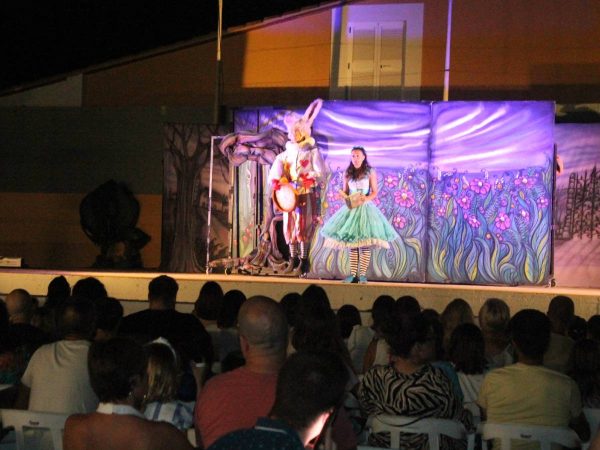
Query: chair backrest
(546, 436)
(23, 420)
(433, 428)
(593, 417)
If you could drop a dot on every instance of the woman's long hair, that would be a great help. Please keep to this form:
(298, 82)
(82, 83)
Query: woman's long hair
(356, 174)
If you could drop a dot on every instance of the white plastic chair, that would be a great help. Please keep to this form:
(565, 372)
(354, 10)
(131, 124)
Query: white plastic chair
(433, 428)
(24, 420)
(593, 417)
(546, 436)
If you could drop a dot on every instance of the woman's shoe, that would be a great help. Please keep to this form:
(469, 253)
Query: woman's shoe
(362, 280)
(350, 279)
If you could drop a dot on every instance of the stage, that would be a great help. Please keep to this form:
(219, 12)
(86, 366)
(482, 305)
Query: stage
(132, 288)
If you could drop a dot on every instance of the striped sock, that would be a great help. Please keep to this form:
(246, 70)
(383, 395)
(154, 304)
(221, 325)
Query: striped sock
(365, 259)
(293, 250)
(303, 250)
(353, 261)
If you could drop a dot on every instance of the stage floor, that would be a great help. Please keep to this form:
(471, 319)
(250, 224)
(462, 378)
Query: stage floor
(132, 287)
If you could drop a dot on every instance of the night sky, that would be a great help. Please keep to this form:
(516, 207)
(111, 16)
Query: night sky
(42, 39)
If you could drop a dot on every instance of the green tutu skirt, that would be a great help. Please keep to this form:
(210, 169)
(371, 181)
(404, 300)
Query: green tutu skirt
(362, 226)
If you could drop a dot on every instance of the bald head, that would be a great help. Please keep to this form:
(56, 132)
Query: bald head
(20, 306)
(263, 324)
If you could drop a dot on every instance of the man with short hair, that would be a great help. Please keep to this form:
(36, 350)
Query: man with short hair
(24, 337)
(57, 378)
(235, 399)
(527, 392)
(161, 319)
(310, 388)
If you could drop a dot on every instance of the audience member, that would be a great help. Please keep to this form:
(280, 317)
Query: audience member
(593, 328)
(59, 290)
(316, 296)
(527, 392)
(407, 305)
(164, 376)
(161, 319)
(57, 378)
(90, 288)
(9, 370)
(236, 399)
(110, 314)
(117, 370)
(457, 312)
(228, 340)
(408, 385)
(377, 351)
(348, 316)
(494, 316)
(432, 317)
(577, 329)
(586, 371)
(561, 312)
(310, 389)
(467, 354)
(23, 336)
(289, 302)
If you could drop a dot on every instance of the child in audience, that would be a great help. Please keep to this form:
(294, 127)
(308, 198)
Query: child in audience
(456, 313)
(586, 371)
(494, 316)
(163, 381)
(466, 353)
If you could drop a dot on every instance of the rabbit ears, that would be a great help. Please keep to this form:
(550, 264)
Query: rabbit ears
(307, 119)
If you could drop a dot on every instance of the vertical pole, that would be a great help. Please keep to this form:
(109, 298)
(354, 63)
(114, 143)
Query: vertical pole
(448, 45)
(210, 185)
(219, 69)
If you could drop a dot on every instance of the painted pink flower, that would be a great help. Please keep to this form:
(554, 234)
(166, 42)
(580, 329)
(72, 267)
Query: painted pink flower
(399, 221)
(331, 195)
(441, 211)
(480, 186)
(525, 181)
(404, 198)
(390, 181)
(464, 201)
(472, 220)
(377, 201)
(542, 202)
(502, 221)
(524, 215)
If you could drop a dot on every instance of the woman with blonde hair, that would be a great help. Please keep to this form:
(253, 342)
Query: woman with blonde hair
(494, 316)
(164, 375)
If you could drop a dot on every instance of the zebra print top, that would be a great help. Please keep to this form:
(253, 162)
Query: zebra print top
(425, 393)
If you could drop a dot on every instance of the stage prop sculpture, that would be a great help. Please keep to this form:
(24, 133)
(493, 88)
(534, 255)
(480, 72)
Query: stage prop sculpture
(468, 187)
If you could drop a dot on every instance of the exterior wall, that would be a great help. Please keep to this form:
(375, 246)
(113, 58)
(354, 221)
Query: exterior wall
(66, 93)
(52, 157)
(501, 49)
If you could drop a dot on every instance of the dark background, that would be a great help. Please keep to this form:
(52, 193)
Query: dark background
(42, 39)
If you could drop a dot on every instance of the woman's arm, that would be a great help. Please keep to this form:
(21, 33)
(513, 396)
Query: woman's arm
(372, 186)
(346, 189)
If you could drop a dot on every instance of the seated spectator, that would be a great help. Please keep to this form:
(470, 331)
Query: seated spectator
(110, 314)
(57, 378)
(408, 385)
(577, 329)
(9, 371)
(59, 290)
(309, 390)
(228, 340)
(183, 331)
(561, 312)
(24, 337)
(236, 399)
(206, 308)
(90, 288)
(161, 402)
(527, 392)
(494, 316)
(348, 317)
(289, 303)
(381, 309)
(467, 355)
(117, 370)
(457, 312)
(586, 371)
(593, 328)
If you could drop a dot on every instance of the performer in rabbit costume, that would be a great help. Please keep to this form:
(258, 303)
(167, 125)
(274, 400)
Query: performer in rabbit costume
(300, 165)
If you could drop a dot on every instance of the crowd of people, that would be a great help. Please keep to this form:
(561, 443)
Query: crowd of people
(288, 373)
